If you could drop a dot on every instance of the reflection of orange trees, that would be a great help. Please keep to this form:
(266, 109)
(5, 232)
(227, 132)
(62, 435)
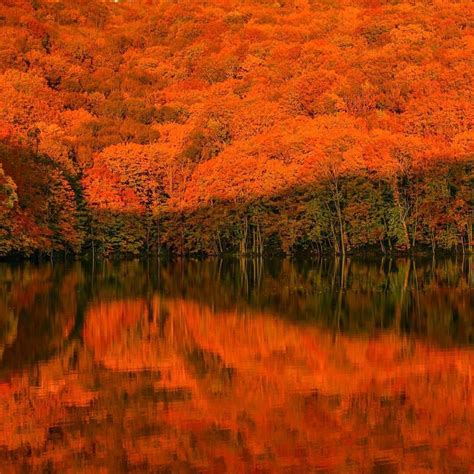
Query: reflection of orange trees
(274, 394)
(33, 404)
(170, 384)
(130, 335)
(107, 322)
(342, 293)
(49, 303)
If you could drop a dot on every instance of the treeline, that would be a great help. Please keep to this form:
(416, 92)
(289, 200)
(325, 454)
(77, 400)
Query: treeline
(418, 210)
(429, 209)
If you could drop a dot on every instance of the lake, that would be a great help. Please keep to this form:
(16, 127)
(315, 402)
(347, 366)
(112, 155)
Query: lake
(237, 365)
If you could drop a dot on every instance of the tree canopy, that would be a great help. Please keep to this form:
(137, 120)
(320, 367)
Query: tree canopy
(236, 125)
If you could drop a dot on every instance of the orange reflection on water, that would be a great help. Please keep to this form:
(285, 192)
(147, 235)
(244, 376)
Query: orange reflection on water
(164, 384)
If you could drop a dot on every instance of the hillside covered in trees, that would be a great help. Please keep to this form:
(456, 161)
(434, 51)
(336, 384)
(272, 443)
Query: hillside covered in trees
(235, 126)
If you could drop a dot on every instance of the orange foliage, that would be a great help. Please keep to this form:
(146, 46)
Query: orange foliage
(147, 103)
(251, 59)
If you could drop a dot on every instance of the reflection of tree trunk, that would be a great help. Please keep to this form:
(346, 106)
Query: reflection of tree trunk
(347, 269)
(399, 307)
(219, 270)
(333, 278)
(163, 318)
(257, 266)
(259, 272)
(343, 265)
(381, 272)
(244, 282)
(417, 293)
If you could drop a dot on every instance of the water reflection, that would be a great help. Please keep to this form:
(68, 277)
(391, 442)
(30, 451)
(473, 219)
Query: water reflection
(238, 365)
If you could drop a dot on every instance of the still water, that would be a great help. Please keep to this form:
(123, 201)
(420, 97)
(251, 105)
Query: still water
(237, 366)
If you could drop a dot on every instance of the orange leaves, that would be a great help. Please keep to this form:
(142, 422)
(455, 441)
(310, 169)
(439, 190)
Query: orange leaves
(438, 115)
(207, 101)
(309, 94)
(127, 177)
(294, 152)
(104, 191)
(25, 100)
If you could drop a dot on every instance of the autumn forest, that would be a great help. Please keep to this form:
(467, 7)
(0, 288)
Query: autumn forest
(236, 126)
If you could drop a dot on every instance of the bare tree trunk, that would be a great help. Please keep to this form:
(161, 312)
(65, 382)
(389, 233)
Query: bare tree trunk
(219, 243)
(401, 213)
(259, 240)
(333, 230)
(469, 236)
(399, 308)
(254, 240)
(243, 240)
(385, 225)
(337, 202)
